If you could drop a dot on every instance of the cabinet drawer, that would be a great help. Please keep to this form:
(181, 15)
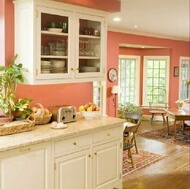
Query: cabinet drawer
(107, 134)
(67, 145)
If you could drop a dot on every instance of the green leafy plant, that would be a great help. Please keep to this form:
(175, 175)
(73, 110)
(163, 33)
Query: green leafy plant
(10, 76)
(129, 108)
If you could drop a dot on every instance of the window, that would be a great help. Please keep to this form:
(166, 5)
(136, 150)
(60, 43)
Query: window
(184, 75)
(156, 79)
(128, 79)
(97, 93)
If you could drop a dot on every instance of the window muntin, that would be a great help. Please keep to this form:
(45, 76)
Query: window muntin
(97, 93)
(156, 79)
(128, 79)
(184, 91)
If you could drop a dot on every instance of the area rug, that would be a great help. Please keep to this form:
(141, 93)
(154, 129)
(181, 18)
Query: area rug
(141, 160)
(162, 135)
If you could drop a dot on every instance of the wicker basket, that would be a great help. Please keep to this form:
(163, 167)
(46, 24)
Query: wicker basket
(42, 118)
(16, 127)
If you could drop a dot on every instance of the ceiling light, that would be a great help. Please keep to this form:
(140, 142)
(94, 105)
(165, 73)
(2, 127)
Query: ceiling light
(117, 19)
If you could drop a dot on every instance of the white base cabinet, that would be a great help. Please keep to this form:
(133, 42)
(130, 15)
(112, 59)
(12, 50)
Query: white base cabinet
(106, 162)
(26, 168)
(73, 171)
(88, 161)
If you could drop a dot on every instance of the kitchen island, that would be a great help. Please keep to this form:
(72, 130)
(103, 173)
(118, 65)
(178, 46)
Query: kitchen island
(85, 155)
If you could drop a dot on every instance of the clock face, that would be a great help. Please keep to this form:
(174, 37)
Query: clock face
(112, 74)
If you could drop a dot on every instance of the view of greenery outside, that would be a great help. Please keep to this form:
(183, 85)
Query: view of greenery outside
(127, 80)
(156, 81)
(97, 93)
(184, 75)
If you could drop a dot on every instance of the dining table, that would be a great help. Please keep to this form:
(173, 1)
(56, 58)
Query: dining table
(176, 115)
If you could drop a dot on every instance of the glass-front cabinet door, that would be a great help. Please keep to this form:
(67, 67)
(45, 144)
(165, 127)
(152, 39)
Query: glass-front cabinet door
(60, 43)
(90, 39)
(53, 49)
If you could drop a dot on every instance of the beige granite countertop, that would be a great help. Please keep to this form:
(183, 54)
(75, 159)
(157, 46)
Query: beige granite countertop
(44, 133)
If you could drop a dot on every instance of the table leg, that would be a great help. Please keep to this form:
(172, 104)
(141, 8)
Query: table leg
(175, 130)
(167, 124)
(183, 127)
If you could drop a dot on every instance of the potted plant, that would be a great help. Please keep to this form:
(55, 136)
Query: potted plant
(10, 76)
(128, 108)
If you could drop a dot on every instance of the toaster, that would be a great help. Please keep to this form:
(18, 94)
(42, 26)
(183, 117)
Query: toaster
(63, 114)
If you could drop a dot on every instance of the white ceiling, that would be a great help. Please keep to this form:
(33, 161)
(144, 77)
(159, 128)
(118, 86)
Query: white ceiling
(160, 18)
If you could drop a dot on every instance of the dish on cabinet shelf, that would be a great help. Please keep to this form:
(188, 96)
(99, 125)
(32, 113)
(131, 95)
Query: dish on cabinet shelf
(58, 53)
(58, 30)
(58, 63)
(58, 70)
(93, 64)
(88, 69)
(46, 67)
(45, 63)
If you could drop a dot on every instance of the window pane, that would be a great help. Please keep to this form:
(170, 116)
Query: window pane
(184, 75)
(155, 83)
(127, 78)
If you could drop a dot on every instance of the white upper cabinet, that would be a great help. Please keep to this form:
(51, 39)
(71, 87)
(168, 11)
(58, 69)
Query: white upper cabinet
(60, 43)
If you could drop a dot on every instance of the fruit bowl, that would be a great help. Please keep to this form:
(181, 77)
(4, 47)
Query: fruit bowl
(90, 115)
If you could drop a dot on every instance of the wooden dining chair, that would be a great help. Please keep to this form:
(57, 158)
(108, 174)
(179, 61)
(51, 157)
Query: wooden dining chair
(133, 119)
(129, 140)
(157, 108)
(158, 102)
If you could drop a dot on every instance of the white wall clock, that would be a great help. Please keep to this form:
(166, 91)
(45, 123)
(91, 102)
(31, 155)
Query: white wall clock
(112, 74)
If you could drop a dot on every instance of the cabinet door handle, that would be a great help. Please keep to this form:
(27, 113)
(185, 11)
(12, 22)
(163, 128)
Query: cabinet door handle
(25, 149)
(74, 143)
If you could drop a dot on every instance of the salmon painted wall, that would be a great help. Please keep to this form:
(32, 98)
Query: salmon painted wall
(6, 31)
(2, 32)
(60, 94)
(106, 5)
(174, 49)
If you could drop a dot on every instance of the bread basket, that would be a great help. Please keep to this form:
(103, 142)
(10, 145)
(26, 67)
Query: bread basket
(40, 117)
(16, 127)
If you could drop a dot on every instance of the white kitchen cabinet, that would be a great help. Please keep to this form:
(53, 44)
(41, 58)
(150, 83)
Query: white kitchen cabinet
(26, 168)
(107, 159)
(73, 171)
(60, 43)
(106, 163)
(92, 161)
(73, 162)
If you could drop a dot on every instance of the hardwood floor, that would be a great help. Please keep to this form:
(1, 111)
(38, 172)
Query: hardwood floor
(173, 172)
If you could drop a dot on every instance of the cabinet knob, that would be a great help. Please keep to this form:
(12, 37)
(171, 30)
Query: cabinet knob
(95, 153)
(74, 143)
(89, 155)
(72, 69)
(108, 134)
